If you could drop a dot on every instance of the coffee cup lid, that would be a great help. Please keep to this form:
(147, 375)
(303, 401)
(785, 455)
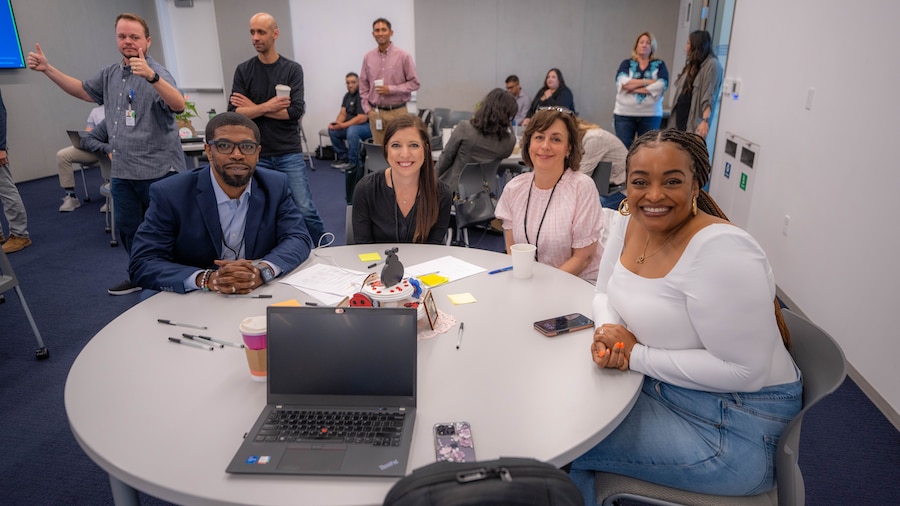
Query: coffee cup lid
(253, 325)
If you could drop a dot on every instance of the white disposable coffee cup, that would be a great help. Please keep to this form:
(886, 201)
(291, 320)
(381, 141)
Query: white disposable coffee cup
(523, 260)
(378, 82)
(282, 90)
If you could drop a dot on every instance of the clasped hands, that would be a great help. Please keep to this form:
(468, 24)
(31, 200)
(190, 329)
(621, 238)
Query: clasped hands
(612, 346)
(234, 277)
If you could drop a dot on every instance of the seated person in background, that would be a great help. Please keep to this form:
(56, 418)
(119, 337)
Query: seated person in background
(229, 227)
(484, 138)
(555, 207)
(553, 93)
(513, 86)
(351, 125)
(685, 298)
(68, 155)
(602, 146)
(406, 202)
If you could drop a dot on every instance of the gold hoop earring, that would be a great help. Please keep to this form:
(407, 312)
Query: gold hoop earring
(623, 207)
(694, 209)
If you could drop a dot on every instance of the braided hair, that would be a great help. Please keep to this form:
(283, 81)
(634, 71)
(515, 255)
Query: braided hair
(695, 147)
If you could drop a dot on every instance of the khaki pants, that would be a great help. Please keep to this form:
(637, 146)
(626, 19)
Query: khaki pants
(65, 157)
(386, 116)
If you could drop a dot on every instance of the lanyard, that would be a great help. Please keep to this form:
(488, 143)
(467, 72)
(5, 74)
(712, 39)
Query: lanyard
(528, 204)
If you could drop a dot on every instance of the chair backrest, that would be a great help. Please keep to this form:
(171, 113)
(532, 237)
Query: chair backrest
(375, 161)
(824, 368)
(105, 166)
(601, 176)
(444, 114)
(457, 116)
(348, 226)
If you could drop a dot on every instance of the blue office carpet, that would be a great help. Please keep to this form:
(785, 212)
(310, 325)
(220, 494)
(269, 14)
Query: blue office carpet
(850, 454)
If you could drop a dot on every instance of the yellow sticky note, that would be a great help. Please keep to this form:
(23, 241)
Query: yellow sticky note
(433, 280)
(291, 302)
(369, 257)
(461, 298)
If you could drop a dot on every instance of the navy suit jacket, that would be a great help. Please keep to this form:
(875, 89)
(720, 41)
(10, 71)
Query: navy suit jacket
(181, 232)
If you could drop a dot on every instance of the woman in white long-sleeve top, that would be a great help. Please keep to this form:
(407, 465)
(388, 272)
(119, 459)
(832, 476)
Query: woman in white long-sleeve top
(686, 298)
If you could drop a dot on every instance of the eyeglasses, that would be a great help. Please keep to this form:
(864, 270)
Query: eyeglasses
(227, 147)
(557, 108)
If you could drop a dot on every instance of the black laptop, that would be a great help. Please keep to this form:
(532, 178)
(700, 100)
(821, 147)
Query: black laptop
(341, 394)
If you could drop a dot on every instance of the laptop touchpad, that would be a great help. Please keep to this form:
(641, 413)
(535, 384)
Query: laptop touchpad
(324, 457)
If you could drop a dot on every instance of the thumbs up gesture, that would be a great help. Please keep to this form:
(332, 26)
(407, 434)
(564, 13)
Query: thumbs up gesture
(139, 65)
(36, 59)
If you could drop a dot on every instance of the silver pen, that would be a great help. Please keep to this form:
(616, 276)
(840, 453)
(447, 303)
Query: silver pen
(213, 340)
(191, 343)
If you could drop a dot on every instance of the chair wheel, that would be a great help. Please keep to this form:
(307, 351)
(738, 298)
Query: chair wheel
(87, 199)
(113, 244)
(42, 354)
(107, 230)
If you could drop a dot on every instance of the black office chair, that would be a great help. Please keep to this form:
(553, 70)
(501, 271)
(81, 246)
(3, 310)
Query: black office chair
(601, 177)
(375, 161)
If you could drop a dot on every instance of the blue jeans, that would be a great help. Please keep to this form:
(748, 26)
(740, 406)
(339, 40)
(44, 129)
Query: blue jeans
(131, 198)
(293, 165)
(612, 201)
(712, 443)
(354, 135)
(629, 128)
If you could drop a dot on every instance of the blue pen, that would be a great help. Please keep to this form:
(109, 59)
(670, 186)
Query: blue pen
(497, 271)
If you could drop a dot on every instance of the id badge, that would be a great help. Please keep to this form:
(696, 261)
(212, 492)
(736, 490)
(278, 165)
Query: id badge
(378, 124)
(130, 117)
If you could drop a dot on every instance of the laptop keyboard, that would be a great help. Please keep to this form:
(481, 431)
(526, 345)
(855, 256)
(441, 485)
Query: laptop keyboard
(352, 427)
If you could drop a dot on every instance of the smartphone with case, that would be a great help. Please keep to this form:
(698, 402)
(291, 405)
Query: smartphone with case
(563, 324)
(453, 442)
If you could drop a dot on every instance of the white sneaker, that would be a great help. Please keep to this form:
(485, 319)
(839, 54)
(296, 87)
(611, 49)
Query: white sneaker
(69, 204)
(104, 208)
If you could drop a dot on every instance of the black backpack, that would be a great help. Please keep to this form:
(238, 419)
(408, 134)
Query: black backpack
(506, 482)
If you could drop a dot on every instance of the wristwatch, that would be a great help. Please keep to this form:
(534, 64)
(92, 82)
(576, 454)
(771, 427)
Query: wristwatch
(154, 79)
(265, 270)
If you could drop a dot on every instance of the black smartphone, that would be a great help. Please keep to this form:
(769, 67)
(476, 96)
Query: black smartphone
(562, 324)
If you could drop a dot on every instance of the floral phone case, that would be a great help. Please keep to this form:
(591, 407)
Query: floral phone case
(453, 442)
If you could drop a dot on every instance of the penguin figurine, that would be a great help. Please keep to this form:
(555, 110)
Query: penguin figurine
(392, 272)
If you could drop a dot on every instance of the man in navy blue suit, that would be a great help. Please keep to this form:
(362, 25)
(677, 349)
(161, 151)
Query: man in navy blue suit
(226, 228)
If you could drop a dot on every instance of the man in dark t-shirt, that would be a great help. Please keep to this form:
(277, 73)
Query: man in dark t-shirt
(352, 125)
(268, 89)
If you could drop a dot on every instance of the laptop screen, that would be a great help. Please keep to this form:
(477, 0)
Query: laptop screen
(327, 355)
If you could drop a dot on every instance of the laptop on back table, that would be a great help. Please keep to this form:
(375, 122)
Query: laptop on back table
(341, 396)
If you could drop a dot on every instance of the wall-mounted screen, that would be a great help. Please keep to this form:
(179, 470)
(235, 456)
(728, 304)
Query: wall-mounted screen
(10, 48)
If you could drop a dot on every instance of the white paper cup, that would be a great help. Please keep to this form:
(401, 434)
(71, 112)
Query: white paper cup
(282, 90)
(523, 260)
(378, 82)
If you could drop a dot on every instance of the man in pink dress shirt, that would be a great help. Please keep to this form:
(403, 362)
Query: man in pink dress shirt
(386, 81)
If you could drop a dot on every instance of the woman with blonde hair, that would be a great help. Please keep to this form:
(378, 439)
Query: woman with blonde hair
(641, 82)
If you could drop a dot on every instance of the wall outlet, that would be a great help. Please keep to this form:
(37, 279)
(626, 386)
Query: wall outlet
(787, 222)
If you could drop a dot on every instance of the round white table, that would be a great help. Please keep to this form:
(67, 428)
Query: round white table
(166, 419)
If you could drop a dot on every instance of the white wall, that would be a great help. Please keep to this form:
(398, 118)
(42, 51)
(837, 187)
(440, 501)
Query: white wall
(330, 40)
(832, 169)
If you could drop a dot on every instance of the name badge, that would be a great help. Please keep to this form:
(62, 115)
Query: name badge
(130, 117)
